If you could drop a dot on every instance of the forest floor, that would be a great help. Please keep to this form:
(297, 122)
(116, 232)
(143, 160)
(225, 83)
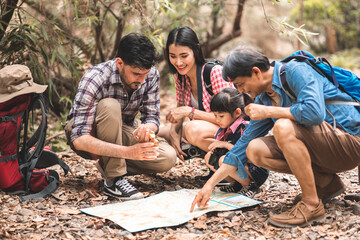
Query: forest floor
(58, 216)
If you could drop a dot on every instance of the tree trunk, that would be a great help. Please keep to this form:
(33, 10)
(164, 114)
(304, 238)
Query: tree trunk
(331, 40)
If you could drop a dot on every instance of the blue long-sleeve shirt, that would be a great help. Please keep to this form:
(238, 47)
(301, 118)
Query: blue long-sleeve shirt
(311, 91)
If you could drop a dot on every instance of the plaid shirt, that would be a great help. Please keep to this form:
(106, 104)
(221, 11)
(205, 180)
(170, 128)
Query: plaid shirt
(217, 83)
(103, 81)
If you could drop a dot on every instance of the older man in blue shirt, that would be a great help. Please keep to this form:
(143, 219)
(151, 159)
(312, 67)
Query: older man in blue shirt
(304, 141)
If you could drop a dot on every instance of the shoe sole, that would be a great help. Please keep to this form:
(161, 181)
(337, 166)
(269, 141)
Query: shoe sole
(283, 225)
(133, 197)
(337, 193)
(222, 184)
(325, 200)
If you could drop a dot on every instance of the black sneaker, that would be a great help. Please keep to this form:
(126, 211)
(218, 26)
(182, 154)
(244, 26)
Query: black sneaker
(251, 190)
(204, 177)
(234, 187)
(207, 177)
(119, 187)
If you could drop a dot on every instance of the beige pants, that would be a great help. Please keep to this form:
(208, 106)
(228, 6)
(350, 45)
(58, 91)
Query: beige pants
(108, 127)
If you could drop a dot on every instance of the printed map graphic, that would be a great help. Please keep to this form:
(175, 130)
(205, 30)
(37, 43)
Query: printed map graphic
(166, 209)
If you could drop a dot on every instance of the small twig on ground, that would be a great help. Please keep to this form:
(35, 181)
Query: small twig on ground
(54, 136)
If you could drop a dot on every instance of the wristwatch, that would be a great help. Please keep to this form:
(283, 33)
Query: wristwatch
(191, 114)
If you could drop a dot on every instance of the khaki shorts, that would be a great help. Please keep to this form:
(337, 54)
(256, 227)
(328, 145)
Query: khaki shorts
(331, 151)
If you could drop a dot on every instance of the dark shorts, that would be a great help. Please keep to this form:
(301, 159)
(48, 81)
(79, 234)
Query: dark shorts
(331, 150)
(258, 174)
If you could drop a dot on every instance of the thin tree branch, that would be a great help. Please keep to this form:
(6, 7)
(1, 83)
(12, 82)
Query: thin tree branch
(216, 43)
(7, 15)
(236, 30)
(237, 20)
(119, 32)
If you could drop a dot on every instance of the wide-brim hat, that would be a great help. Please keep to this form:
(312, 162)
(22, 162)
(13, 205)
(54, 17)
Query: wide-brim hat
(16, 80)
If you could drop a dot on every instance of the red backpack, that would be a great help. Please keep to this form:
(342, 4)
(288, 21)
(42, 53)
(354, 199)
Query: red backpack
(21, 164)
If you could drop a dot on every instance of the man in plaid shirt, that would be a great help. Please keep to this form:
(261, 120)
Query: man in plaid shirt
(101, 124)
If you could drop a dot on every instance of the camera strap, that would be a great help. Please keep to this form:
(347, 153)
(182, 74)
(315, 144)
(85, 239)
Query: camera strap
(199, 87)
(183, 103)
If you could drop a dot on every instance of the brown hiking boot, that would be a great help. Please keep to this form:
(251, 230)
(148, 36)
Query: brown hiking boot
(333, 189)
(299, 215)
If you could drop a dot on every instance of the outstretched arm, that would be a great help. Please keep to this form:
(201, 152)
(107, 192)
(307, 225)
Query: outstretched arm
(180, 112)
(203, 197)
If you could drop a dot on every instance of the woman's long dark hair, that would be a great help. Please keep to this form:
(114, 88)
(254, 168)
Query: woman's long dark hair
(184, 36)
(228, 100)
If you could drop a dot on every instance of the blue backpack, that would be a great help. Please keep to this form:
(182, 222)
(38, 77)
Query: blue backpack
(346, 81)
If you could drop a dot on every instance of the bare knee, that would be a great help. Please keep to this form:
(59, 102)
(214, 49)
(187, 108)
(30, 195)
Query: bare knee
(192, 132)
(284, 131)
(255, 152)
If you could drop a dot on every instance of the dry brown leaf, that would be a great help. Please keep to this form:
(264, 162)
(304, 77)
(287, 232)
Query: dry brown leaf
(65, 211)
(225, 231)
(200, 224)
(60, 196)
(38, 219)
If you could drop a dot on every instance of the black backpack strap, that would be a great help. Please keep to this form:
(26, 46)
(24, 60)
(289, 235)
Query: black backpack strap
(48, 159)
(52, 187)
(27, 161)
(207, 74)
(207, 77)
(199, 87)
(284, 84)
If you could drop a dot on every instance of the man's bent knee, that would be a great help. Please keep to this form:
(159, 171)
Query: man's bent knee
(255, 152)
(108, 107)
(283, 131)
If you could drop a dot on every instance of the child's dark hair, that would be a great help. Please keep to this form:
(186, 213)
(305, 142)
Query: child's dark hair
(228, 100)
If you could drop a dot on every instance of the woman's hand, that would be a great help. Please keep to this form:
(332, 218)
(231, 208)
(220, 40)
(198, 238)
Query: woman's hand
(174, 140)
(207, 158)
(178, 113)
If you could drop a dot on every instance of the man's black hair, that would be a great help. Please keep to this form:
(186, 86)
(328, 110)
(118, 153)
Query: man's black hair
(184, 36)
(228, 100)
(137, 50)
(240, 62)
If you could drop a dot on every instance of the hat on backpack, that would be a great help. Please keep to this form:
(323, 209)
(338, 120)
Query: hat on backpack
(16, 80)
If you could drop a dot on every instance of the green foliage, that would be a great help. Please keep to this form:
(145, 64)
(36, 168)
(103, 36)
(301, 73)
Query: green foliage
(285, 28)
(43, 51)
(342, 16)
(67, 103)
(60, 39)
(349, 59)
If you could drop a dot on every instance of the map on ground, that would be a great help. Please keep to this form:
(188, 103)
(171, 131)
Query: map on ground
(169, 208)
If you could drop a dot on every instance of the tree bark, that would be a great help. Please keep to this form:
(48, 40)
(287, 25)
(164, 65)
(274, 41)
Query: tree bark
(6, 16)
(224, 38)
(331, 40)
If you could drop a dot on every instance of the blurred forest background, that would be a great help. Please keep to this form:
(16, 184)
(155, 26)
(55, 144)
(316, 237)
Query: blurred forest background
(60, 39)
